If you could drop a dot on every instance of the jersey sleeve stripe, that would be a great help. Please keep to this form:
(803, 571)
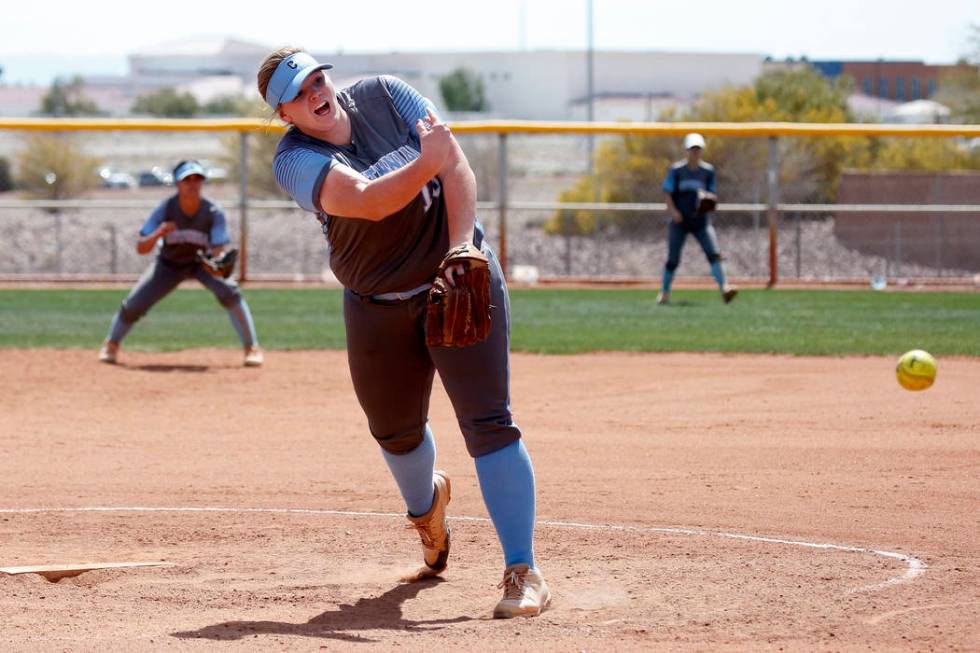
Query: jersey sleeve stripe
(300, 173)
(409, 103)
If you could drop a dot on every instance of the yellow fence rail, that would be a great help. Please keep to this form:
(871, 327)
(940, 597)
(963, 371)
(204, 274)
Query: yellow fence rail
(515, 127)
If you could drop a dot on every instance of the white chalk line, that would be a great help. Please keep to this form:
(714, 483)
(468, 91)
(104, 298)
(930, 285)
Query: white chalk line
(914, 566)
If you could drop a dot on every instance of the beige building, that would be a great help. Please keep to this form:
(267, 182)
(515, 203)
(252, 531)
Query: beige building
(532, 85)
(538, 85)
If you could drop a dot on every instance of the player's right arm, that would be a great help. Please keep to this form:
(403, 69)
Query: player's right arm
(316, 182)
(153, 230)
(669, 186)
(675, 214)
(347, 193)
(456, 175)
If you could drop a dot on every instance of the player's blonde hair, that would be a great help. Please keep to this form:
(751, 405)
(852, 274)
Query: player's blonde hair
(269, 65)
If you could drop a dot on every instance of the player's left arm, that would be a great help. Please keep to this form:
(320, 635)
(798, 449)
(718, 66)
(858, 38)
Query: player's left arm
(456, 175)
(711, 182)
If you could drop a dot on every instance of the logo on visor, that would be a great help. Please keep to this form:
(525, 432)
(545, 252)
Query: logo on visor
(292, 64)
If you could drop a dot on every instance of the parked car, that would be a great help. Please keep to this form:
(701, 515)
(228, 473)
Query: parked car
(156, 176)
(216, 174)
(112, 178)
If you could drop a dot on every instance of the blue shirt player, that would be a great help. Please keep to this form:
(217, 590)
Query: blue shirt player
(686, 182)
(180, 227)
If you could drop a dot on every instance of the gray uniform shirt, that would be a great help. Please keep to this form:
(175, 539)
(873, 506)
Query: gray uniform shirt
(205, 229)
(402, 251)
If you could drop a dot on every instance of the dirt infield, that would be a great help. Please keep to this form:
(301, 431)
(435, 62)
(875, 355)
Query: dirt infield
(686, 502)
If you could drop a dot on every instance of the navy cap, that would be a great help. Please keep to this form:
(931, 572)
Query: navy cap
(289, 77)
(187, 168)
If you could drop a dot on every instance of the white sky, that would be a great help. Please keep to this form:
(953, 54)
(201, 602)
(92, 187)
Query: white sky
(935, 30)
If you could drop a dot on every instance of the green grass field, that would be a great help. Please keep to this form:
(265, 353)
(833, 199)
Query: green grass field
(821, 322)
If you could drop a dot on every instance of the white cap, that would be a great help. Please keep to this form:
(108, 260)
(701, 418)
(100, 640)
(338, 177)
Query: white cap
(693, 140)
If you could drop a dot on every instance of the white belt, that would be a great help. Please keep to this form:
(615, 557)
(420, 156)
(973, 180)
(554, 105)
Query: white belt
(399, 296)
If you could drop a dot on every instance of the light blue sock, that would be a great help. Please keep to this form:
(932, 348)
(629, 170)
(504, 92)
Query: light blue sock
(241, 319)
(119, 329)
(718, 273)
(668, 279)
(413, 474)
(507, 482)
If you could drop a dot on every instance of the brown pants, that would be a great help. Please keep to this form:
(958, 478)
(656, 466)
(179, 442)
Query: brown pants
(392, 369)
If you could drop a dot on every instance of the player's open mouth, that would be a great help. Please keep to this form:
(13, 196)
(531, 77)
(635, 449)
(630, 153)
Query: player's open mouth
(322, 109)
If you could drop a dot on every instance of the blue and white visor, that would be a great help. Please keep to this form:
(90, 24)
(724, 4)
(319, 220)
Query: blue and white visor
(188, 168)
(289, 77)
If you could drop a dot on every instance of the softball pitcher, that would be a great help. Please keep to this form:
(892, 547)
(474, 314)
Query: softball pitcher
(188, 225)
(393, 192)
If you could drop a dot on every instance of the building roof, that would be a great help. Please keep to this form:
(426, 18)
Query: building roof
(870, 106)
(921, 107)
(203, 46)
(920, 111)
(16, 101)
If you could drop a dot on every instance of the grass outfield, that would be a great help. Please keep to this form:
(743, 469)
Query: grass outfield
(821, 322)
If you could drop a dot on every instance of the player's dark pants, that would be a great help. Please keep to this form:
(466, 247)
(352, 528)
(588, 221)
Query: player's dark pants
(677, 233)
(392, 369)
(162, 278)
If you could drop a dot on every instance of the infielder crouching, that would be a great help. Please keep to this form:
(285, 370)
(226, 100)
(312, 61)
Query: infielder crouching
(187, 224)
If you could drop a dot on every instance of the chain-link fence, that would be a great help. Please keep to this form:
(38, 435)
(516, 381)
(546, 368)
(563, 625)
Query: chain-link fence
(876, 232)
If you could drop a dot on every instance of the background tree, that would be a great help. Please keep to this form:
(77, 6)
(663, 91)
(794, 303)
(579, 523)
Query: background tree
(631, 168)
(624, 172)
(67, 98)
(55, 166)
(227, 105)
(462, 90)
(932, 154)
(168, 103)
(960, 89)
(261, 150)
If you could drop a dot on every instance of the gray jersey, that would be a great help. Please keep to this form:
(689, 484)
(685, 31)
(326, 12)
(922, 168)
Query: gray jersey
(205, 229)
(400, 252)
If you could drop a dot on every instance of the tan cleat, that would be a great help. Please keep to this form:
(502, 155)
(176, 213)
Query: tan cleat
(663, 298)
(525, 593)
(109, 352)
(253, 356)
(728, 293)
(433, 530)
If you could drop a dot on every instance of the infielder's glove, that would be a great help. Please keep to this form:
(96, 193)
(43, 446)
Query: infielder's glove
(221, 265)
(459, 316)
(706, 202)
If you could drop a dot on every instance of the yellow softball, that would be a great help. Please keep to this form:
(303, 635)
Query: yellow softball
(916, 370)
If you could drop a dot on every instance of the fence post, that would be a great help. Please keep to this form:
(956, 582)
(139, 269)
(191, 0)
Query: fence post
(243, 206)
(59, 242)
(898, 248)
(799, 245)
(772, 212)
(756, 221)
(502, 199)
(113, 250)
